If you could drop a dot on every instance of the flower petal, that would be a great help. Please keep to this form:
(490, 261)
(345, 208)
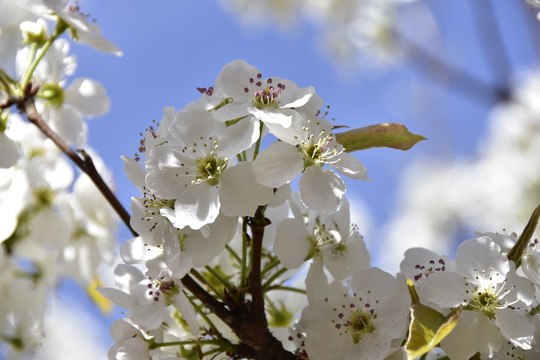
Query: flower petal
(291, 244)
(321, 190)
(196, 206)
(278, 165)
(240, 194)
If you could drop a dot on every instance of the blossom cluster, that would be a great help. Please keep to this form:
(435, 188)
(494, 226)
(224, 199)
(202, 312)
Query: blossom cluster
(243, 240)
(204, 174)
(55, 222)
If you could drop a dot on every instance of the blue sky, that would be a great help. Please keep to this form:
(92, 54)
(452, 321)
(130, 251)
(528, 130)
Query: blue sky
(173, 47)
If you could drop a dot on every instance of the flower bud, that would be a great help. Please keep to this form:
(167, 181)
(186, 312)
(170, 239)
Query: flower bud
(34, 32)
(53, 93)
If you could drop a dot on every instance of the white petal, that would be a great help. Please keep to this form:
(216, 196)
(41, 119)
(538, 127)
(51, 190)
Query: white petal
(351, 167)
(118, 297)
(88, 97)
(271, 116)
(9, 151)
(134, 171)
(446, 289)
(482, 254)
(316, 282)
(189, 125)
(323, 342)
(135, 251)
(293, 98)
(149, 316)
(188, 313)
(167, 168)
(100, 43)
(240, 194)
(516, 327)
(321, 190)
(233, 78)
(238, 137)
(278, 165)
(473, 333)
(196, 206)
(203, 248)
(291, 244)
(70, 125)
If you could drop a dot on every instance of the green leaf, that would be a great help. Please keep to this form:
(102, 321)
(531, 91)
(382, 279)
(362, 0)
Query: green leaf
(392, 135)
(427, 328)
(517, 250)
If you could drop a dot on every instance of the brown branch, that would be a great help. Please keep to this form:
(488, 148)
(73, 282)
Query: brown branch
(257, 225)
(247, 319)
(85, 163)
(491, 41)
(439, 71)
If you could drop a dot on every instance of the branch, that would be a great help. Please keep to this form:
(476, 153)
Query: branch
(247, 320)
(85, 163)
(257, 224)
(491, 41)
(466, 83)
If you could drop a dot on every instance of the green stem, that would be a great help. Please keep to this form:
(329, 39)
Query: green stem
(286, 288)
(61, 26)
(219, 278)
(534, 311)
(268, 282)
(185, 342)
(6, 79)
(202, 279)
(243, 264)
(258, 143)
(233, 254)
(31, 56)
(205, 318)
(272, 264)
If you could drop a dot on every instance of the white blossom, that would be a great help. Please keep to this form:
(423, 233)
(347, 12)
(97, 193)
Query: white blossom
(305, 148)
(358, 322)
(493, 296)
(193, 170)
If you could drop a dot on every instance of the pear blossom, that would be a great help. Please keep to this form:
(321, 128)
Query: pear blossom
(64, 106)
(305, 148)
(192, 169)
(181, 250)
(265, 99)
(9, 150)
(11, 17)
(530, 262)
(82, 28)
(493, 296)
(358, 322)
(332, 238)
(130, 341)
(147, 299)
(92, 223)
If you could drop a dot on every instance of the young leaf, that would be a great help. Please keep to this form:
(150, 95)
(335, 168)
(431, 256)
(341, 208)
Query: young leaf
(517, 250)
(427, 328)
(392, 135)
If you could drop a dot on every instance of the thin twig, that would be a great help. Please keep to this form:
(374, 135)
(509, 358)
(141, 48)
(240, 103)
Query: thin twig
(439, 71)
(495, 53)
(83, 162)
